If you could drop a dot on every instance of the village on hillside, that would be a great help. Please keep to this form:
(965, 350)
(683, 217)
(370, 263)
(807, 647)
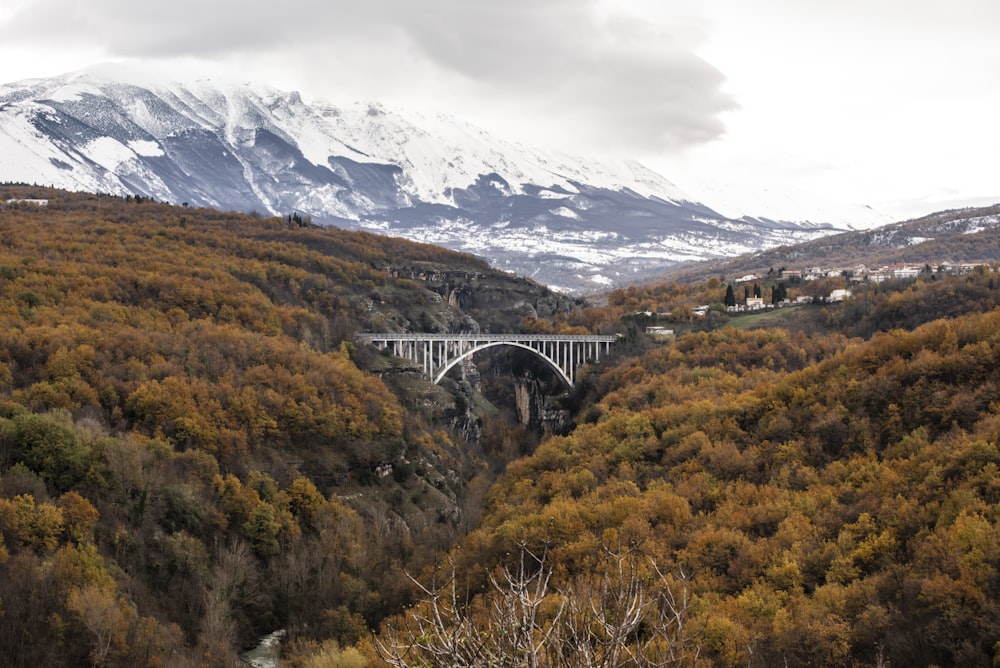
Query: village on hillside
(779, 288)
(785, 279)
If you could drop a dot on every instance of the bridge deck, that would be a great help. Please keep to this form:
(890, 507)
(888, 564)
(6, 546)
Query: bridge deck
(570, 338)
(437, 353)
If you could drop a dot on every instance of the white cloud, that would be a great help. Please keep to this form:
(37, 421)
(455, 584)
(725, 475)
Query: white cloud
(562, 66)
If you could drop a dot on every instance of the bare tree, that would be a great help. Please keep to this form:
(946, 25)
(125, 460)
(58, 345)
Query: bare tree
(520, 631)
(504, 627)
(622, 616)
(603, 618)
(672, 641)
(231, 580)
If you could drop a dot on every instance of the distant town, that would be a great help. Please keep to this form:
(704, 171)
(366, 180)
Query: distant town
(784, 279)
(778, 288)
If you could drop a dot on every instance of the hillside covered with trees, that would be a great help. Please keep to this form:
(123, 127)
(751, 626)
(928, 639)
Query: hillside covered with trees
(193, 451)
(190, 456)
(760, 498)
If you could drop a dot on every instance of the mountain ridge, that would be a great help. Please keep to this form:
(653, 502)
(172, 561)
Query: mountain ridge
(956, 236)
(571, 224)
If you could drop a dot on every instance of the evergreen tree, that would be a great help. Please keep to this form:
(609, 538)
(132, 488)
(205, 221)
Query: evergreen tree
(730, 298)
(779, 294)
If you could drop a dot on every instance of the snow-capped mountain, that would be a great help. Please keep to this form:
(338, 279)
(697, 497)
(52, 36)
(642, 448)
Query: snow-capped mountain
(570, 223)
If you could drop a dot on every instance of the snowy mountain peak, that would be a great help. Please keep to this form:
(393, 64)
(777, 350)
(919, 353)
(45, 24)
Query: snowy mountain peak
(570, 222)
(436, 153)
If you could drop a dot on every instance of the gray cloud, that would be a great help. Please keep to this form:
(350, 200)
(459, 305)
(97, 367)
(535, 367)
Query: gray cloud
(557, 63)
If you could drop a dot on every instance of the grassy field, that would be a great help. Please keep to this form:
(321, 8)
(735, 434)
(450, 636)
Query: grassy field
(794, 317)
(764, 318)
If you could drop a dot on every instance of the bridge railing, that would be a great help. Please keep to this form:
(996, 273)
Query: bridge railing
(569, 338)
(437, 353)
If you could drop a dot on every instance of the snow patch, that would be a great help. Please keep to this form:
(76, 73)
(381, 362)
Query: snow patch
(107, 152)
(145, 148)
(550, 194)
(564, 212)
(67, 93)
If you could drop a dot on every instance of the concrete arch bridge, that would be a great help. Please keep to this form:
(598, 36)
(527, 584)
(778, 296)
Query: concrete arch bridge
(436, 354)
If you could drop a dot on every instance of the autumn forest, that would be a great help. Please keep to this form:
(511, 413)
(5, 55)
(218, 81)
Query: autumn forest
(195, 451)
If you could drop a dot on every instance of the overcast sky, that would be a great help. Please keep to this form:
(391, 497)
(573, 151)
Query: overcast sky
(891, 103)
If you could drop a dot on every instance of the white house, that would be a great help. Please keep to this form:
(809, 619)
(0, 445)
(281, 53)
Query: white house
(32, 202)
(660, 332)
(839, 295)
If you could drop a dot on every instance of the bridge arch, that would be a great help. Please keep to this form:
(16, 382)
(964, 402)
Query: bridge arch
(443, 371)
(436, 354)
